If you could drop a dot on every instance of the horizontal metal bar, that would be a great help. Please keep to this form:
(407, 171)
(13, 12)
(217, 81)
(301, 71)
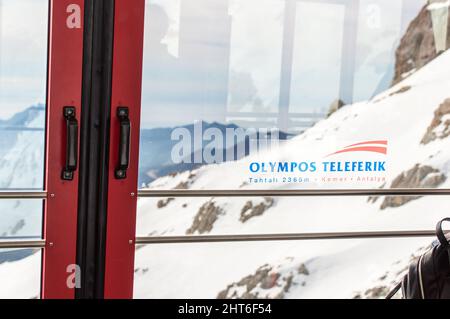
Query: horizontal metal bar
(23, 195)
(291, 192)
(21, 128)
(283, 237)
(16, 244)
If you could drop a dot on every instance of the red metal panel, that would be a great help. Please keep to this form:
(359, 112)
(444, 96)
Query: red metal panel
(122, 201)
(64, 89)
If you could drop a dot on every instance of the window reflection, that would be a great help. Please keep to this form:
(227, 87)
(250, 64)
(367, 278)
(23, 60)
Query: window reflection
(286, 67)
(354, 85)
(208, 60)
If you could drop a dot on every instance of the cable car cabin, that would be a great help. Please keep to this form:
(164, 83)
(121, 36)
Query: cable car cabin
(220, 148)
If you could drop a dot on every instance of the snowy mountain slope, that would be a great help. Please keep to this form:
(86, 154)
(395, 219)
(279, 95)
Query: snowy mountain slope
(400, 115)
(327, 276)
(401, 118)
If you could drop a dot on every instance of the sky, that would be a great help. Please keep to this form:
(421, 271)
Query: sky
(219, 55)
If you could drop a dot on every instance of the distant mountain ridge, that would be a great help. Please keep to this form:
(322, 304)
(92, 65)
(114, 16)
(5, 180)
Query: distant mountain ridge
(155, 143)
(417, 46)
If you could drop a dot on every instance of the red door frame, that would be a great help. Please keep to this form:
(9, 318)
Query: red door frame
(63, 89)
(122, 194)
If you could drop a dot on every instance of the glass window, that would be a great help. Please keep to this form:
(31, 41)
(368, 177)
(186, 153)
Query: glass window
(290, 94)
(294, 94)
(23, 77)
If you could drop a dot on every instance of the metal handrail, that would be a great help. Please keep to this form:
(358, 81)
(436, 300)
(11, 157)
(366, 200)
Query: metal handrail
(23, 194)
(22, 244)
(253, 193)
(290, 192)
(283, 237)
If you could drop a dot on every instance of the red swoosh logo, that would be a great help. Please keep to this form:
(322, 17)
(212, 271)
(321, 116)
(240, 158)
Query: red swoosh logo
(369, 146)
(369, 142)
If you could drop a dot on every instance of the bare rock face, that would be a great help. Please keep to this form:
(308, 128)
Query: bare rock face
(250, 210)
(182, 185)
(302, 270)
(417, 177)
(401, 90)
(417, 46)
(378, 292)
(440, 125)
(205, 218)
(264, 283)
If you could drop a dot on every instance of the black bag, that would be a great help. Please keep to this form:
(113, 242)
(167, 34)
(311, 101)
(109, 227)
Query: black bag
(429, 276)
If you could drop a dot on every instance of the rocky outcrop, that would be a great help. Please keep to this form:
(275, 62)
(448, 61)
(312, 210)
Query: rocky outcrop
(303, 270)
(250, 210)
(141, 271)
(186, 184)
(164, 202)
(401, 90)
(440, 125)
(417, 47)
(420, 176)
(336, 105)
(266, 282)
(205, 218)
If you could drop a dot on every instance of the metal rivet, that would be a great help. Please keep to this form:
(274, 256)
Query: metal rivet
(133, 194)
(130, 242)
(52, 195)
(50, 244)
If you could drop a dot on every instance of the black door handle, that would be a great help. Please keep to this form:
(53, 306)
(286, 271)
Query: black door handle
(124, 143)
(71, 143)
